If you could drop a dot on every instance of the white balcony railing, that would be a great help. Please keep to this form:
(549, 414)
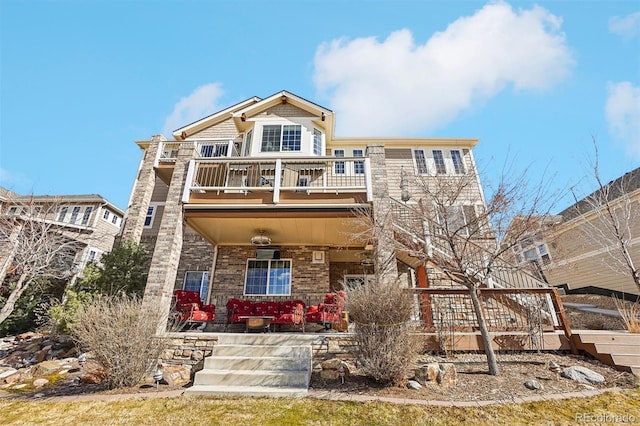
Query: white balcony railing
(302, 174)
(213, 148)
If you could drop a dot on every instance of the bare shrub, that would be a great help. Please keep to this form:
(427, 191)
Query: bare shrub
(630, 313)
(121, 336)
(387, 345)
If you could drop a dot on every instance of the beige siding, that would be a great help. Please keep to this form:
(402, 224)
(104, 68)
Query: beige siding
(580, 258)
(286, 110)
(224, 129)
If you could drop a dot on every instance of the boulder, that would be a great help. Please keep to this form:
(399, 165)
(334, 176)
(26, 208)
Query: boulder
(38, 383)
(41, 355)
(331, 364)
(583, 375)
(176, 375)
(6, 372)
(329, 374)
(448, 375)
(427, 373)
(533, 385)
(46, 367)
(412, 384)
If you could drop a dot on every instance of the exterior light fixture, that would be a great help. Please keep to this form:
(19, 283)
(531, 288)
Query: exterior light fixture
(284, 99)
(243, 117)
(260, 240)
(183, 135)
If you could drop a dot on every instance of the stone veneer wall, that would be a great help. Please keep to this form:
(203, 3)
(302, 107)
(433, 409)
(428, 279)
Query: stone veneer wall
(309, 281)
(197, 255)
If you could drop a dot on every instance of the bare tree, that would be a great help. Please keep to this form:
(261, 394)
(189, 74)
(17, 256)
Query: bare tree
(36, 249)
(612, 222)
(452, 229)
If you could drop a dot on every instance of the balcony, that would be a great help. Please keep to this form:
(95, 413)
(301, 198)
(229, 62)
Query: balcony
(294, 181)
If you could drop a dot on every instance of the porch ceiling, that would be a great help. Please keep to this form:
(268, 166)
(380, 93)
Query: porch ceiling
(316, 228)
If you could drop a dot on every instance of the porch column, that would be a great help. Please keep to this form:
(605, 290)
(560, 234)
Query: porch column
(141, 193)
(166, 256)
(386, 265)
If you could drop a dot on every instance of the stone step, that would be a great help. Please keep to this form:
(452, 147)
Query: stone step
(268, 378)
(275, 339)
(253, 391)
(273, 363)
(253, 351)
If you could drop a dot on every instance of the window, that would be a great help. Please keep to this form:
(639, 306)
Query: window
(358, 166)
(214, 150)
(197, 281)
(291, 137)
(338, 165)
(74, 214)
(317, 142)
(458, 220)
(148, 220)
(268, 277)
(105, 216)
(439, 160)
(247, 143)
(458, 165)
(14, 210)
(421, 161)
(62, 214)
(114, 219)
(87, 215)
(277, 138)
(92, 256)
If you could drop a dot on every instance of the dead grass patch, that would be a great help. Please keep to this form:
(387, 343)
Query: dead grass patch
(267, 412)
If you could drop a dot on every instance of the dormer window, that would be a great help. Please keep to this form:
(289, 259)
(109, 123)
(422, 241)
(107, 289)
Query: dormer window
(281, 138)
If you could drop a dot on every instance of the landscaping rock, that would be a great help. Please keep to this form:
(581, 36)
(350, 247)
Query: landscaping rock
(331, 364)
(41, 355)
(6, 372)
(533, 385)
(412, 384)
(47, 367)
(38, 383)
(448, 375)
(428, 373)
(176, 375)
(583, 375)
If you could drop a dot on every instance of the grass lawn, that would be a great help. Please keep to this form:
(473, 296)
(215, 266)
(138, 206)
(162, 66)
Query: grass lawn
(306, 411)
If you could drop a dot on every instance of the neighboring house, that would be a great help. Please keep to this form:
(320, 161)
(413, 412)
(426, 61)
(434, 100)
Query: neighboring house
(90, 221)
(258, 201)
(573, 250)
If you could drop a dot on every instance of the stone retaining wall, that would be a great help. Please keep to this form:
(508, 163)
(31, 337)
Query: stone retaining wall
(190, 349)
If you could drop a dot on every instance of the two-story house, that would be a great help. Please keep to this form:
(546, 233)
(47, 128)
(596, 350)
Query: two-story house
(89, 223)
(261, 200)
(577, 249)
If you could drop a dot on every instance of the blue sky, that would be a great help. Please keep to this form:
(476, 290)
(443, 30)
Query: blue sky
(81, 80)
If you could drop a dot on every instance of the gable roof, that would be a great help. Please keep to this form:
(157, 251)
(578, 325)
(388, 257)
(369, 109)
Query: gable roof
(252, 106)
(625, 184)
(185, 131)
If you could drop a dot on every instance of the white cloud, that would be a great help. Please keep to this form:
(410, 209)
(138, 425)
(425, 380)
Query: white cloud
(626, 26)
(396, 86)
(201, 102)
(623, 114)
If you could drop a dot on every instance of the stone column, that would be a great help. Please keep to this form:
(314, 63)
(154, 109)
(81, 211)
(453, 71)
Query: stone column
(384, 254)
(166, 256)
(141, 193)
